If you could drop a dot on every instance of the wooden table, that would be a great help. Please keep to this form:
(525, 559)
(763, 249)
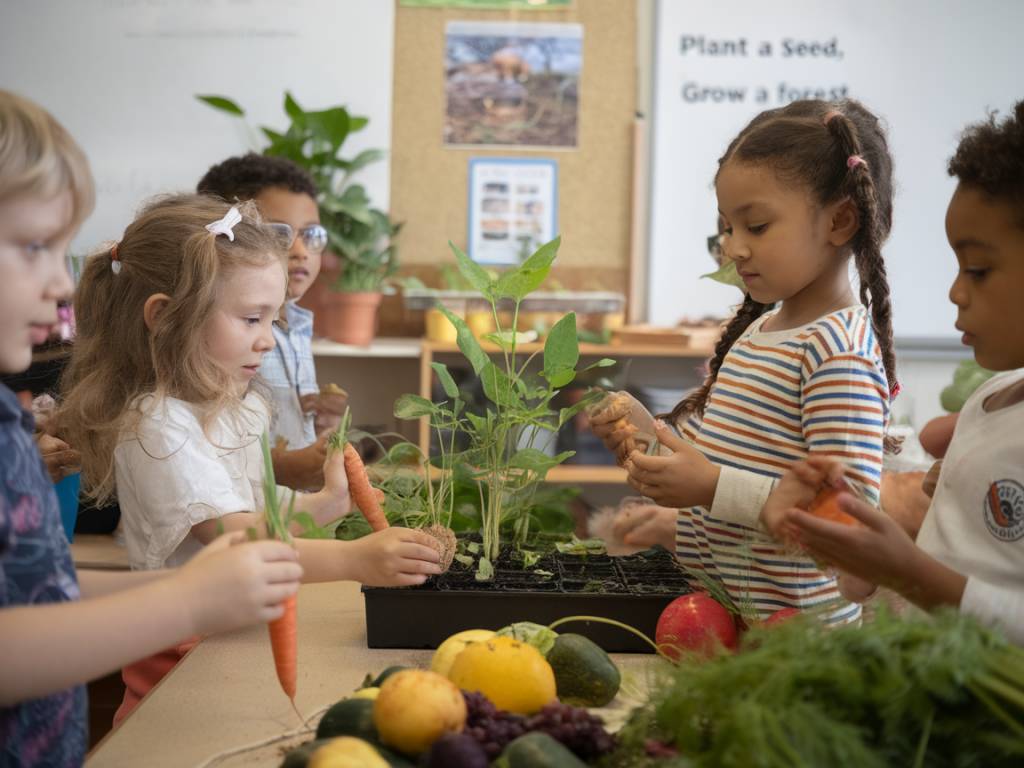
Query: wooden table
(225, 694)
(99, 552)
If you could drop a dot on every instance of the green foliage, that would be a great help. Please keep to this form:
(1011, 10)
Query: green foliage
(727, 275)
(501, 459)
(967, 377)
(359, 233)
(929, 690)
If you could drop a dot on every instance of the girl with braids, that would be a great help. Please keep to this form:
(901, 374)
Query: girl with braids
(803, 368)
(970, 549)
(172, 324)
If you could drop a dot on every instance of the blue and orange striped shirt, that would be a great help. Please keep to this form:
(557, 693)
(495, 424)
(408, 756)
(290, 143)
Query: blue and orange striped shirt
(779, 396)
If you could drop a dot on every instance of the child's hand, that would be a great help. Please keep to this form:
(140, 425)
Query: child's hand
(394, 557)
(854, 588)
(302, 469)
(328, 406)
(644, 525)
(931, 480)
(879, 551)
(796, 489)
(233, 583)
(683, 478)
(621, 422)
(61, 459)
(334, 500)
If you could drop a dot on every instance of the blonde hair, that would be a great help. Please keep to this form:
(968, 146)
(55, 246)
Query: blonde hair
(116, 358)
(38, 158)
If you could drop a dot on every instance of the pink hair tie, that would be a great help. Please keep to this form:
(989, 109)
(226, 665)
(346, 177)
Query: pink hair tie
(829, 115)
(895, 390)
(854, 160)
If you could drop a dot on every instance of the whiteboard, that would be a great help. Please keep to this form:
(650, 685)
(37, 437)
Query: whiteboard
(121, 76)
(928, 67)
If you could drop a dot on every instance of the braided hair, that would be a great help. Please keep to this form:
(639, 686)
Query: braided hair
(836, 150)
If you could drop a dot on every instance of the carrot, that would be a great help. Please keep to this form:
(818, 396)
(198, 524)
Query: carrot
(364, 495)
(283, 631)
(826, 506)
(284, 644)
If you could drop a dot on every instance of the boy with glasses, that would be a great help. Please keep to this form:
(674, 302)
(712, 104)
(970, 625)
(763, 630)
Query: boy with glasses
(303, 415)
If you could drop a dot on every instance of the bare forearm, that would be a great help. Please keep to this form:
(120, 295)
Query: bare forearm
(325, 560)
(93, 583)
(65, 644)
(930, 584)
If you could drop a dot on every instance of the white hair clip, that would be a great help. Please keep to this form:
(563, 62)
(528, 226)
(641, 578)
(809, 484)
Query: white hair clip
(226, 225)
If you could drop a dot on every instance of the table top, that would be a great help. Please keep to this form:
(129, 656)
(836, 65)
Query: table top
(224, 695)
(99, 551)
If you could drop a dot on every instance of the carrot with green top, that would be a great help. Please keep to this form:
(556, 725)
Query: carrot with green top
(283, 630)
(364, 495)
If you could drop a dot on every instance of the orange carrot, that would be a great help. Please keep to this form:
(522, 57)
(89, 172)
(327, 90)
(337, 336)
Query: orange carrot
(826, 506)
(284, 643)
(363, 494)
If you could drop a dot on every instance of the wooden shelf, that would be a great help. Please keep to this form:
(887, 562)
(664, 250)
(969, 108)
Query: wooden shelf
(383, 348)
(586, 473)
(589, 350)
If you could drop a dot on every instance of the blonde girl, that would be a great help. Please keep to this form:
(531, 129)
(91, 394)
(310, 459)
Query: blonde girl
(161, 398)
(60, 628)
(805, 367)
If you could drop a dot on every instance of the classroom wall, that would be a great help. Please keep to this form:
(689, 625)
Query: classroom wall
(121, 75)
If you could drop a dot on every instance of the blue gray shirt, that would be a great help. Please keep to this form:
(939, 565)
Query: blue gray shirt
(289, 373)
(35, 569)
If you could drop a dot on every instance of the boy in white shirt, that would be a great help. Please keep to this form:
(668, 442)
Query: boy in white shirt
(970, 550)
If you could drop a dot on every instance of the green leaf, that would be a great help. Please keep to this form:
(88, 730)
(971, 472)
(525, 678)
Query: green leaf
(527, 277)
(497, 386)
(413, 407)
(329, 125)
(727, 275)
(504, 339)
(561, 352)
(404, 453)
(357, 123)
(484, 571)
(310, 530)
(537, 461)
(468, 344)
(604, 362)
(446, 379)
(223, 104)
(537, 635)
(273, 135)
(364, 158)
(473, 272)
(479, 423)
(294, 111)
(466, 560)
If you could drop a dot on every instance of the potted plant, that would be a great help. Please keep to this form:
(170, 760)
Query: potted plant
(492, 452)
(359, 234)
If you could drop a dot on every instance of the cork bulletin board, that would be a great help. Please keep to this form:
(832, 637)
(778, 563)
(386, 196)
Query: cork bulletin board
(429, 180)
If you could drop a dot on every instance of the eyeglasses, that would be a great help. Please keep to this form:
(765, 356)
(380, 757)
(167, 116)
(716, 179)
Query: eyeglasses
(715, 243)
(314, 237)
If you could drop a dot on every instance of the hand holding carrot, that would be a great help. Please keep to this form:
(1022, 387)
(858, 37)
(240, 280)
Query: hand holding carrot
(393, 557)
(622, 423)
(233, 584)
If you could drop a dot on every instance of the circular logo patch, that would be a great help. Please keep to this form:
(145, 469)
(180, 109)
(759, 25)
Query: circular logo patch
(1004, 510)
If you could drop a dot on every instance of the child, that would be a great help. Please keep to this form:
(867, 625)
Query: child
(801, 189)
(172, 324)
(970, 550)
(59, 629)
(286, 197)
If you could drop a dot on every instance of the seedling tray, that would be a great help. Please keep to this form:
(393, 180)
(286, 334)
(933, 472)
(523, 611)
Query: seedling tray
(633, 590)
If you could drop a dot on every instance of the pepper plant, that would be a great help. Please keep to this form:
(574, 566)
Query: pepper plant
(500, 451)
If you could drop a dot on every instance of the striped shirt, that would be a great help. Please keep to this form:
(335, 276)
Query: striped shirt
(289, 373)
(779, 396)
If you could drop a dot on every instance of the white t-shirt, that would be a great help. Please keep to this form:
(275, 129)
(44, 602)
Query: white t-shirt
(171, 475)
(975, 524)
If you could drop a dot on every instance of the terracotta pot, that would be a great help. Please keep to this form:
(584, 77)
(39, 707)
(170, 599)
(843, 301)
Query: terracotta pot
(351, 317)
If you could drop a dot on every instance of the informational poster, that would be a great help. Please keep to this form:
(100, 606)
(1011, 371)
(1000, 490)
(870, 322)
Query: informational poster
(927, 68)
(512, 84)
(513, 208)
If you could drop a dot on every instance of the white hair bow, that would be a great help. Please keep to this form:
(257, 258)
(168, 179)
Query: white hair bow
(226, 225)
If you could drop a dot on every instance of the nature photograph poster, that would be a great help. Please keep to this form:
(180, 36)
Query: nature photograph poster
(512, 84)
(513, 207)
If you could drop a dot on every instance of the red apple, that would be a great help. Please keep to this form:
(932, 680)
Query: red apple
(694, 623)
(781, 615)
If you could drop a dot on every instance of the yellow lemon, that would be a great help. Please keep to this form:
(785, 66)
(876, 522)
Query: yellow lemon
(513, 675)
(453, 646)
(346, 752)
(415, 708)
(366, 693)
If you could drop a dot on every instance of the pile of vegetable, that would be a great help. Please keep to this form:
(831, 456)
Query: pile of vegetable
(490, 698)
(935, 691)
